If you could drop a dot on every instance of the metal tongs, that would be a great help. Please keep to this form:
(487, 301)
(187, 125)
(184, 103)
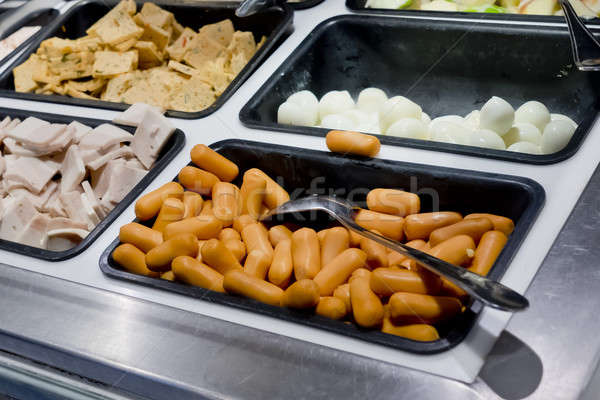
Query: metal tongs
(486, 290)
(251, 7)
(586, 48)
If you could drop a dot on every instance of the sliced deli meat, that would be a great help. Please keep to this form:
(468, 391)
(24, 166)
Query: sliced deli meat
(32, 172)
(17, 215)
(72, 170)
(103, 137)
(34, 233)
(134, 115)
(150, 137)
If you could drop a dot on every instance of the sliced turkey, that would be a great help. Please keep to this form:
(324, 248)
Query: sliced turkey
(17, 215)
(34, 233)
(122, 180)
(134, 115)
(80, 130)
(72, 170)
(150, 137)
(103, 137)
(34, 173)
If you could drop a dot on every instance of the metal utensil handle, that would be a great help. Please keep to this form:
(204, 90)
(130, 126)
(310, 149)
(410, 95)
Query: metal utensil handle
(585, 47)
(250, 7)
(491, 293)
(13, 18)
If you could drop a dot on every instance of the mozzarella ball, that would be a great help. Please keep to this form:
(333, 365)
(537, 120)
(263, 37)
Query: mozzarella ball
(556, 136)
(448, 132)
(533, 112)
(293, 114)
(337, 121)
(488, 139)
(335, 102)
(523, 132)
(308, 102)
(408, 128)
(425, 118)
(472, 119)
(556, 117)
(371, 99)
(457, 119)
(395, 108)
(525, 147)
(496, 115)
(363, 121)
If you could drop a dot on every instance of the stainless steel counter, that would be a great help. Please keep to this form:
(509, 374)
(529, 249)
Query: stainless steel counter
(145, 349)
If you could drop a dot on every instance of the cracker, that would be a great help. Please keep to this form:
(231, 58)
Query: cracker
(23, 75)
(242, 42)
(221, 32)
(177, 30)
(111, 63)
(72, 65)
(91, 85)
(116, 29)
(194, 95)
(115, 87)
(153, 33)
(127, 7)
(213, 73)
(77, 94)
(156, 15)
(182, 68)
(126, 45)
(237, 63)
(149, 55)
(201, 50)
(177, 50)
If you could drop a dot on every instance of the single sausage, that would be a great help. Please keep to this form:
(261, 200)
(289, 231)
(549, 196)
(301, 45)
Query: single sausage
(256, 237)
(236, 247)
(207, 208)
(217, 256)
(422, 308)
(197, 180)
(193, 272)
(392, 201)
(385, 282)
(390, 226)
(243, 221)
(377, 255)
(240, 283)
(420, 226)
(133, 260)
(275, 195)
(203, 227)
(502, 224)
(252, 194)
(396, 259)
(257, 264)
(282, 266)
(366, 306)
(149, 204)
(335, 241)
(420, 332)
(331, 307)
(159, 258)
(457, 250)
(208, 159)
(140, 236)
(193, 204)
(338, 270)
(168, 276)
(279, 233)
(488, 250)
(342, 292)
(474, 227)
(226, 202)
(229, 234)
(306, 254)
(347, 142)
(301, 294)
(172, 210)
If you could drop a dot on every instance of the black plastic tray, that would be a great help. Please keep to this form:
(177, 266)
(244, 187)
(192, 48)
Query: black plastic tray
(42, 17)
(459, 190)
(447, 67)
(273, 23)
(171, 149)
(359, 6)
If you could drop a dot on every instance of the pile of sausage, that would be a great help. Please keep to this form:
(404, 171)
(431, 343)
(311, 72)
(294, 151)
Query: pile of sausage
(203, 231)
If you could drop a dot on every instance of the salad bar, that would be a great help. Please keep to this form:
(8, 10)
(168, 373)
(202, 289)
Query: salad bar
(151, 152)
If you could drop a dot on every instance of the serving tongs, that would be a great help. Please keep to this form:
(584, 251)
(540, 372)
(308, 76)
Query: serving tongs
(585, 47)
(251, 7)
(489, 292)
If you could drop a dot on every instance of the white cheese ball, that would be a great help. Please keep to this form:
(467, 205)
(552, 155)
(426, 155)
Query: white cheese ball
(371, 99)
(488, 139)
(448, 132)
(408, 128)
(338, 121)
(308, 102)
(556, 136)
(557, 117)
(472, 119)
(496, 115)
(523, 132)
(425, 118)
(363, 121)
(525, 147)
(395, 108)
(335, 102)
(292, 114)
(533, 112)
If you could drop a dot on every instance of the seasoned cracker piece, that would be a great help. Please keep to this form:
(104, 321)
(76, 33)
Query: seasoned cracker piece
(149, 56)
(78, 94)
(213, 74)
(177, 30)
(194, 95)
(71, 66)
(125, 45)
(260, 44)
(221, 32)
(182, 68)
(162, 82)
(23, 75)
(110, 63)
(237, 63)
(124, 8)
(90, 85)
(41, 73)
(141, 91)
(116, 29)
(201, 50)
(153, 33)
(115, 87)
(242, 42)
(156, 15)
(179, 47)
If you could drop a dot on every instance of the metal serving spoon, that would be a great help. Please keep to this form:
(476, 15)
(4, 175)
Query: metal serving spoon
(488, 291)
(586, 48)
(250, 7)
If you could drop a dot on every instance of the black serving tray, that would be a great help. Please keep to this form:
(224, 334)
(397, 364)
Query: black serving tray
(170, 150)
(447, 67)
(439, 188)
(358, 6)
(274, 23)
